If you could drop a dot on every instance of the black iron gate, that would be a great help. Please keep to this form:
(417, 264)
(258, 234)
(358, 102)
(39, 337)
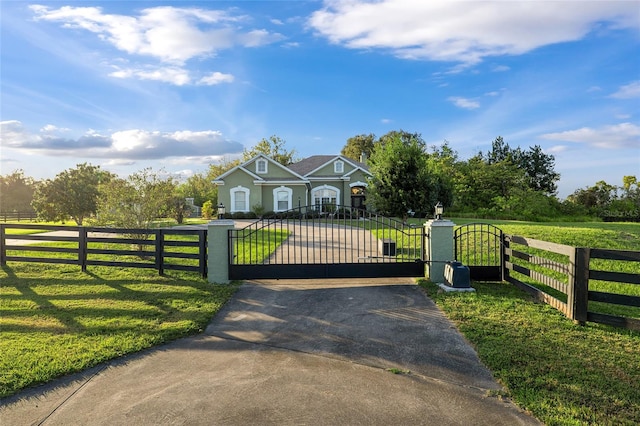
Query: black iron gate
(326, 242)
(479, 246)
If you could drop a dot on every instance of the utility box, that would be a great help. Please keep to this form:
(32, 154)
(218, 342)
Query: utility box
(457, 275)
(386, 247)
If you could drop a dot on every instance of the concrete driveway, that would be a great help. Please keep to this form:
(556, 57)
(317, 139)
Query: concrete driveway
(290, 353)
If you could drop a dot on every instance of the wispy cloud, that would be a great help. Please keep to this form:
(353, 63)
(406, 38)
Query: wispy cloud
(216, 78)
(171, 35)
(628, 91)
(133, 144)
(465, 32)
(623, 135)
(464, 103)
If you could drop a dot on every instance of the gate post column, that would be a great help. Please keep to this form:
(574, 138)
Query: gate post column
(439, 248)
(218, 250)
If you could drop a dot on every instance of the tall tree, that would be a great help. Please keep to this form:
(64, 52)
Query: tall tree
(71, 194)
(538, 166)
(275, 148)
(16, 192)
(401, 181)
(359, 145)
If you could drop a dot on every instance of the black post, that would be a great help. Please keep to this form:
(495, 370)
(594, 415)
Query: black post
(159, 235)
(3, 247)
(202, 252)
(82, 248)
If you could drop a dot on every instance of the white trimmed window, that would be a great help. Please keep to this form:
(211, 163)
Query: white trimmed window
(239, 199)
(282, 199)
(338, 166)
(325, 196)
(261, 166)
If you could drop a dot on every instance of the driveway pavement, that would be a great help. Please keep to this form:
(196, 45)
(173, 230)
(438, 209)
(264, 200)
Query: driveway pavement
(290, 353)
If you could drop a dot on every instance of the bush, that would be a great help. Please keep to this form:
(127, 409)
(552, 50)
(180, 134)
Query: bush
(207, 210)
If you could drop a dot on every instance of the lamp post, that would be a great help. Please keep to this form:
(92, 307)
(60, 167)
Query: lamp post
(221, 211)
(439, 209)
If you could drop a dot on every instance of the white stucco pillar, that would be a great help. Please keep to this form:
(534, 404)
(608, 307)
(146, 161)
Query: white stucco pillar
(218, 251)
(439, 248)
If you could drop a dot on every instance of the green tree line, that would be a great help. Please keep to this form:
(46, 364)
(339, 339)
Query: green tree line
(408, 179)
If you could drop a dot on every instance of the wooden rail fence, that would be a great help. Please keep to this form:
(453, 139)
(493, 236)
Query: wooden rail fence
(564, 274)
(18, 216)
(90, 242)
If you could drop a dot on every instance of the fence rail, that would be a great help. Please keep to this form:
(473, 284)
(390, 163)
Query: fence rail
(560, 276)
(18, 216)
(90, 243)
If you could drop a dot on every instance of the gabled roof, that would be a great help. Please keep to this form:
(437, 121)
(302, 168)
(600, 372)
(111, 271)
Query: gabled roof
(244, 165)
(311, 164)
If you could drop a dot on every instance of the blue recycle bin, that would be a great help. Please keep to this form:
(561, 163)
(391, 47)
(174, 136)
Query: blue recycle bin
(457, 275)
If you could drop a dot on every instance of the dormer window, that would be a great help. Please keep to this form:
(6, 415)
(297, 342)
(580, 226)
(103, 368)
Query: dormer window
(261, 166)
(338, 167)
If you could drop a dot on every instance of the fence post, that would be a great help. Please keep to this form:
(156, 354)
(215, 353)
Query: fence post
(218, 257)
(439, 248)
(159, 236)
(82, 248)
(578, 289)
(504, 257)
(3, 246)
(202, 252)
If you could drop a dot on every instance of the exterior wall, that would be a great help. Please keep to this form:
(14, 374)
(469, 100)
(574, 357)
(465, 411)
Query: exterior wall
(273, 171)
(239, 178)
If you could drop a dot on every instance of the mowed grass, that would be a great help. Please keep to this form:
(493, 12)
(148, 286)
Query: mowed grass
(56, 320)
(561, 372)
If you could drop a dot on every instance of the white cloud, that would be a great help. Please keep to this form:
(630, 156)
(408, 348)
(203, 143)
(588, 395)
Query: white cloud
(133, 144)
(216, 78)
(171, 34)
(623, 135)
(464, 102)
(465, 31)
(386, 120)
(173, 75)
(501, 68)
(556, 149)
(629, 91)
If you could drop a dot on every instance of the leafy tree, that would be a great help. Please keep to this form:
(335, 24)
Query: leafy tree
(406, 138)
(358, 145)
(275, 148)
(538, 166)
(16, 192)
(402, 180)
(200, 187)
(596, 197)
(478, 183)
(72, 193)
(137, 201)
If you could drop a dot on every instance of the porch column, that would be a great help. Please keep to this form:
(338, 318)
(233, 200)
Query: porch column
(218, 251)
(439, 248)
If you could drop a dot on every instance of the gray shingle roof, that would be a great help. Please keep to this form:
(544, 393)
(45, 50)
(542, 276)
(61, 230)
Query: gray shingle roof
(310, 164)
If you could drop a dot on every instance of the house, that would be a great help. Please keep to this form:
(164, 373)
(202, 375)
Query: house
(319, 180)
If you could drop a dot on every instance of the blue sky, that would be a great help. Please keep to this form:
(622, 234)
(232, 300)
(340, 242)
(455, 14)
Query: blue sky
(180, 84)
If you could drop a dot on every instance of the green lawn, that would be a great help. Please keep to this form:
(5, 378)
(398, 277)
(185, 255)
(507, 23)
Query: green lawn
(562, 373)
(56, 320)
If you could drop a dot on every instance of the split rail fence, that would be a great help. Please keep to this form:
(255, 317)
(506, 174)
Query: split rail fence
(571, 279)
(116, 247)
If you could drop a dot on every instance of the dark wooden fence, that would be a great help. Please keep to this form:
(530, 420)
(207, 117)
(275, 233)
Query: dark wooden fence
(559, 275)
(147, 248)
(18, 216)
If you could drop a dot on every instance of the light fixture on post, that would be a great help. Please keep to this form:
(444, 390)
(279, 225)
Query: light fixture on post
(221, 211)
(439, 209)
